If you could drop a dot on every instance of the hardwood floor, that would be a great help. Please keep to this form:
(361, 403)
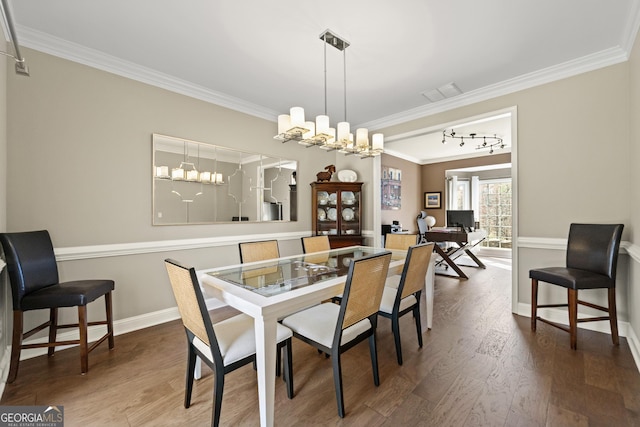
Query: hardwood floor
(480, 366)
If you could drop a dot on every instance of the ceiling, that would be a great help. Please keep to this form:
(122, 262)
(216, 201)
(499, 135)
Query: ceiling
(263, 57)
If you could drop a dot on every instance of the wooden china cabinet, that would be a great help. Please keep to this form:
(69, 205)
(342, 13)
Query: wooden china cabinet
(336, 212)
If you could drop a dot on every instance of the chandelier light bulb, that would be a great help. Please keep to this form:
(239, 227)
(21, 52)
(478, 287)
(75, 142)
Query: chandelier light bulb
(322, 124)
(362, 137)
(297, 117)
(312, 130)
(343, 131)
(284, 123)
(377, 141)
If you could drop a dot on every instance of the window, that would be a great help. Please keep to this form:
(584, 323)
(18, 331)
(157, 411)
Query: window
(461, 200)
(495, 212)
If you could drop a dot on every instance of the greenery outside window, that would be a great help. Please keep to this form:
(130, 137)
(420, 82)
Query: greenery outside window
(495, 212)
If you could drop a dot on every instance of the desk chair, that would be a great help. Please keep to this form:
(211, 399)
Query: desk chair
(258, 251)
(592, 257)
(422, 226)
(315, 244)
(334, 329)
(225, 346)
(396, 302)
(35, 285)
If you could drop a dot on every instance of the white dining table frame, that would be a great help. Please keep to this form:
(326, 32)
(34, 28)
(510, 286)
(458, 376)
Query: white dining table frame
(267, 310)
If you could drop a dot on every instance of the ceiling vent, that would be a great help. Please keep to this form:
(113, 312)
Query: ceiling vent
(445, 91)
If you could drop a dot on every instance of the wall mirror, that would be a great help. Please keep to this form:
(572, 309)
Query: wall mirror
(200, 183)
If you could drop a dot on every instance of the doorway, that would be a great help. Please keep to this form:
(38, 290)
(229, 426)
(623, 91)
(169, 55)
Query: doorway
(423, 145)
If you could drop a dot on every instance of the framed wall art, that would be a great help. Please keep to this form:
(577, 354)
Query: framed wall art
(433, 200)
(391, 188)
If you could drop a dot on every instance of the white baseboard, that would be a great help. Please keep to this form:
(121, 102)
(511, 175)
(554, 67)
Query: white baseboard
(634, 344)
(561, 317)
(4, 370)
(95, 332)
(120, 327)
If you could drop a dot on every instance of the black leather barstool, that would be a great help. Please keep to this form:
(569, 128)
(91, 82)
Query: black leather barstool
(33, 273)
(592, 258)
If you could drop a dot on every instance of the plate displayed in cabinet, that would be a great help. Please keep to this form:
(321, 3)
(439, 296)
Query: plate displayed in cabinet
(323, 197)
(348, 198)
(333, 199)
(322, 215)
(347, 214)
(332, 214)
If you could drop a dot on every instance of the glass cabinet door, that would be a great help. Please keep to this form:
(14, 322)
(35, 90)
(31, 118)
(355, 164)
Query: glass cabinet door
(337, 212)
(350, 213)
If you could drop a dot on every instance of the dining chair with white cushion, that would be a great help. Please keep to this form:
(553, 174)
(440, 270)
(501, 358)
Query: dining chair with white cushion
(224, 346)
(404, 296)
(334, 329)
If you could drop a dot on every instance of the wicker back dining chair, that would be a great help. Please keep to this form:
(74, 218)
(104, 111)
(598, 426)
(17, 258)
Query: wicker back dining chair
(224, 346)
(258, 251)
(334, 329)
(400, 241)
(396, 302)
(315, 244)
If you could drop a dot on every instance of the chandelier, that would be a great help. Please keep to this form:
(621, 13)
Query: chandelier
(188, 171)
(487, 142)
(294, 127)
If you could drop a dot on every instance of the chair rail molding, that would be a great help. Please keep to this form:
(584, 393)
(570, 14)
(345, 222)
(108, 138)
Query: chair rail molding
(558, 244)
(137, 248)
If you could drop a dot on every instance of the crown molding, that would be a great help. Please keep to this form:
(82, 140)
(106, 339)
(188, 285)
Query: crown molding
(421, 161)
(631, 27)
(55, 46)
(571, 68)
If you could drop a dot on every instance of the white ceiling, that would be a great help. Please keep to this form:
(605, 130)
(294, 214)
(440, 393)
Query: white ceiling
(263, 57)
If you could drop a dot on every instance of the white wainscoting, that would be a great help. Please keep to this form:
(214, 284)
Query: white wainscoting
(131, 324)
(146, 320)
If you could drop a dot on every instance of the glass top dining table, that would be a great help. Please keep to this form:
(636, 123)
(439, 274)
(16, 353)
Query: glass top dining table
(270, 290)
(269, 278)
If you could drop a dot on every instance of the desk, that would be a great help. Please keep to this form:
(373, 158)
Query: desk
(269, 290)
(463, 240)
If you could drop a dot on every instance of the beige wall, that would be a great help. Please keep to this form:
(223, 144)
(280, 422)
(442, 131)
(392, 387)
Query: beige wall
(433, 178)
(3, 139)
(81, 153)
(568, 151)
(5, 294)
(79, 164)
(634, 158)
(411, 197)
(572, 149)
